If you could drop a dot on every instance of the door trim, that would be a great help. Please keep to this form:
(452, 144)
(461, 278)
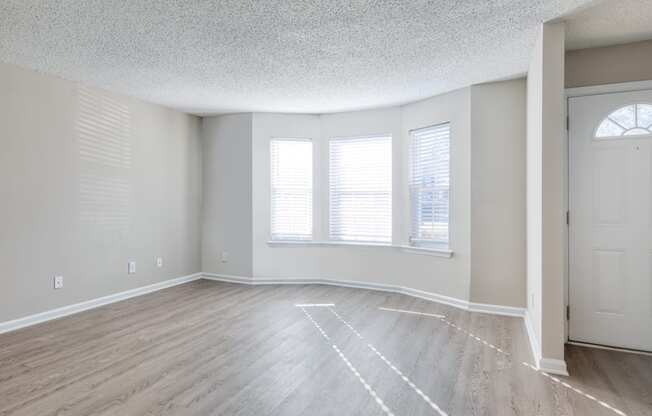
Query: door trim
(573, 93)
(608, 348)
(608, 88)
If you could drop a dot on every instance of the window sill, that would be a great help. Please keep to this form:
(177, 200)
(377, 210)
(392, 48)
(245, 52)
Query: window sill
(427, 251)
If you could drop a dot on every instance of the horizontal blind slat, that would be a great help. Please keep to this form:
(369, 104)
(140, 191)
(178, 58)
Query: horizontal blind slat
(291, 189)
(429, 184)
(360, 189)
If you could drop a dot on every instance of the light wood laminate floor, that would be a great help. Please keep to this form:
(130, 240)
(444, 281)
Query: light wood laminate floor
(209, 348)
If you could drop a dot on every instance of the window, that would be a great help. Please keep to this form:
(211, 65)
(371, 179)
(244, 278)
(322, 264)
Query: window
(429, 185)
(360, 191)
(291, 193)
(632, 120)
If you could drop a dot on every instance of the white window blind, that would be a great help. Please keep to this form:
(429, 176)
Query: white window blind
(360, 189)
(291, 193)
(430, 185)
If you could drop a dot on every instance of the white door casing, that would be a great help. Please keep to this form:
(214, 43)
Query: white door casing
(610, 232)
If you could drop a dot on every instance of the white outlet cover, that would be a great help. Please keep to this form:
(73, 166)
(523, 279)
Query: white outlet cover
(225, 256)
(58, 282)
(159, 262)
(131, 268)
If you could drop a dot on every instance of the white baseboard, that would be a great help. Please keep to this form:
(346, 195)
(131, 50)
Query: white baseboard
(227, 278)
(553, 366)
(434, 297)
(544, 364)
(497, 309)
(532, 336)
(91, 304)
(548, 365)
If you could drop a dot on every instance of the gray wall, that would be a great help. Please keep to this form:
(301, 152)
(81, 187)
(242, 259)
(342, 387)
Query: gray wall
(609, 65)
(227, 203)
(498, 193)
(546, 225)
(488, 163)
(80, 200)
(379, 265)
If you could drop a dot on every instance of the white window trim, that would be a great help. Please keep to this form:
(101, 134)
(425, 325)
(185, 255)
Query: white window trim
(270, 190)
(321, 220)
(436, 252)
(427, 244)
(327, 213)
(608, 88)
(622, 135)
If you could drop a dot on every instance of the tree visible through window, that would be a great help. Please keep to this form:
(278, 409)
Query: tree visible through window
(430, 186)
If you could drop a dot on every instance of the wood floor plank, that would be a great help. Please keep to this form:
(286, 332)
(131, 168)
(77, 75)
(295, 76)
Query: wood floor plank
(208, 348)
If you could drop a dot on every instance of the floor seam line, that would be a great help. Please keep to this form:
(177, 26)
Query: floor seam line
(351, 367)
(398, 372)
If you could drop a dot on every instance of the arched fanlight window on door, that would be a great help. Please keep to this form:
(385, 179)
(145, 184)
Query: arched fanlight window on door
(631, 120)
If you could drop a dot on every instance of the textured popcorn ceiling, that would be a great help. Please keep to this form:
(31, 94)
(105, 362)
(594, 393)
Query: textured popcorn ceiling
(310, 56)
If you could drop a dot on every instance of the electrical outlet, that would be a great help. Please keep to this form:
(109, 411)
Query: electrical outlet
(58, 282)
(159, 262)
(131, 267)
(225, 256)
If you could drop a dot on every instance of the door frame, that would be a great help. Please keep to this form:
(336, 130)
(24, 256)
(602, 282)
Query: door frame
(572, 93)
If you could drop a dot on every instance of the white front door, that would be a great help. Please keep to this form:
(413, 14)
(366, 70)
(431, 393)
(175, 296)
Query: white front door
(610, 232)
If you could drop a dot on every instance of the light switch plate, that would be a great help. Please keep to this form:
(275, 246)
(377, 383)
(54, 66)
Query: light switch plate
(159, 262)
(131, 267)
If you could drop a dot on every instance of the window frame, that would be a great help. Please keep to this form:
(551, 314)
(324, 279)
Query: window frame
(327, 149)
(401, 213)
(623, 135)
(272, 239)
(425, 243)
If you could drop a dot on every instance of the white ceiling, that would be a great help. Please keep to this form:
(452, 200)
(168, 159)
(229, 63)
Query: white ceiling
(310, 56)
(609, 22)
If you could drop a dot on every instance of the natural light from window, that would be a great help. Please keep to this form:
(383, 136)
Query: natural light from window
(360, 189)
(291, 189)
(430, 185)
(631, 120)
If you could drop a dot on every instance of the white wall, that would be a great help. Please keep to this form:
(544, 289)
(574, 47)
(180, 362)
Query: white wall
(365, 123)
(80, 209)
(172, 212)
(284, 262)
(493, 158)
(534, 191)
(227, 194)
(446, 276)
(545, 182)
(554, 210)
(498, 204)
